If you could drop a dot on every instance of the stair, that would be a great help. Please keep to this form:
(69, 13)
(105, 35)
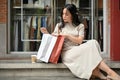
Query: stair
(26, 68)
(22, 68)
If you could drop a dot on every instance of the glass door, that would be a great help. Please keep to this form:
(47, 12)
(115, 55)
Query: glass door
(98, 28)
(85, 8)
(101, 27)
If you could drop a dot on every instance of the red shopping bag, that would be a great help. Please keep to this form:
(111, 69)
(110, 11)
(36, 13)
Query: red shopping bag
(56, 50)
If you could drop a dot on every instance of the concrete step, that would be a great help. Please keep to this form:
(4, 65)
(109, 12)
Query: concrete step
(25, 68)
(35, 72)
(31, 66)
(9, 64)
(40, 78)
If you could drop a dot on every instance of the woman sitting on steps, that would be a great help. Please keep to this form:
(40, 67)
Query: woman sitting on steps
(84, 60)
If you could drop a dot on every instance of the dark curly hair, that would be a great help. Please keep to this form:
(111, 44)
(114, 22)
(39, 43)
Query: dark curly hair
(74, 12)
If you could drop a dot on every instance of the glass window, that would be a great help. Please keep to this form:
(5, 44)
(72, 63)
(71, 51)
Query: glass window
(27, 17)
(84, 8)
(91, 12)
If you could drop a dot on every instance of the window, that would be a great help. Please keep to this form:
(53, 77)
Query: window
(27, 17)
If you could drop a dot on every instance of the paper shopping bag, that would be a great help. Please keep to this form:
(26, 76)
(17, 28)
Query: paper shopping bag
(46, 47)
(57, 50)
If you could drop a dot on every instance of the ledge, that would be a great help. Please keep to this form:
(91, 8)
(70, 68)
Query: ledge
(26, 64)
(30, 65)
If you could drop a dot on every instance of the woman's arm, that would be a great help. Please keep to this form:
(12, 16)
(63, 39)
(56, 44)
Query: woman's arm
(76, 39)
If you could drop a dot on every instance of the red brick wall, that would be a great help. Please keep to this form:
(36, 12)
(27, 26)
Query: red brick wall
(3, 11)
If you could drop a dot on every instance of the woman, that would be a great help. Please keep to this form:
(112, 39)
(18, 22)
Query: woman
(83, 60)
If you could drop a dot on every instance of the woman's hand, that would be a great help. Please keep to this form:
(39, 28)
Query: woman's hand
(44, 30)
(65, 35)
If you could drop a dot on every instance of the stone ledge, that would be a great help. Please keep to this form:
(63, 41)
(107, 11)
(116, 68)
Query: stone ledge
(30, 65)
(14, 64)
(113, 64)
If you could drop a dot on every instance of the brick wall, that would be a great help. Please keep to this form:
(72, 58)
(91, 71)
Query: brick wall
(3, 11)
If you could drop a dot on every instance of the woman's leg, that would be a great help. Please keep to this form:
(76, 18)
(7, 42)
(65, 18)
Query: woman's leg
(103, 66)
(97, 73)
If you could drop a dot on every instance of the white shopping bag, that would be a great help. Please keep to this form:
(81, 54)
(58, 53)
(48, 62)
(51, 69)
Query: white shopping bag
(46, 47)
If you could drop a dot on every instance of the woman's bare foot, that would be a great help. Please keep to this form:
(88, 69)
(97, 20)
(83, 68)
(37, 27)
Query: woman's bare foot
(113, 75)
(113, 78)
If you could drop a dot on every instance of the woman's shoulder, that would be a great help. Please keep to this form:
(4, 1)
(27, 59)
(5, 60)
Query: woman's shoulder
(58, 24)
(81, 25)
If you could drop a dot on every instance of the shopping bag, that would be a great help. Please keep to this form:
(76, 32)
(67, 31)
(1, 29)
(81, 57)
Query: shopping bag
(57, 50)
(47, 44)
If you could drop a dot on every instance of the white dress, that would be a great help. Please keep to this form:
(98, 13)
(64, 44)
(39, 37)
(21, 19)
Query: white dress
(81, 59)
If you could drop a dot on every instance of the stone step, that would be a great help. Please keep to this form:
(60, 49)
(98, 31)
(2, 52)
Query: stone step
(35, 72)
(26, 68)
(40, 78)
(9, 64)
(31, 66)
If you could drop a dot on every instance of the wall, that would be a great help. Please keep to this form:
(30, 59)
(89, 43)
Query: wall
(3, 12)
(115, 30)
(3, 26)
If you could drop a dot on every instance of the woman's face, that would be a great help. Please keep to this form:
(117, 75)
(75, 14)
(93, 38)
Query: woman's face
(67, 17)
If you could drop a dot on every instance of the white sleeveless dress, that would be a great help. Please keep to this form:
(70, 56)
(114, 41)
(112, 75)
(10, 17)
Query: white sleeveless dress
(81, 59)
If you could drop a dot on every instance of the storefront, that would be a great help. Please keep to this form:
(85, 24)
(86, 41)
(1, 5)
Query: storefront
(20, 34)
